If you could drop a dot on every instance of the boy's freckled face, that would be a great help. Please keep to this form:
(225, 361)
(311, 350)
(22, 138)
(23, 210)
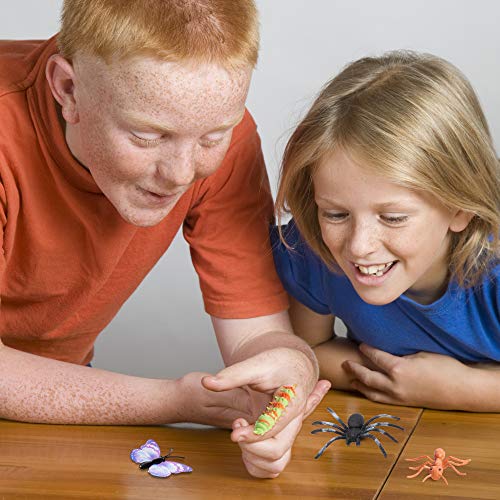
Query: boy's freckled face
(387, 239)
(148, 129)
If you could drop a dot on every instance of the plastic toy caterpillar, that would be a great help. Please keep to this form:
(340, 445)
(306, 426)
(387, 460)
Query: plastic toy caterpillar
(274, 409)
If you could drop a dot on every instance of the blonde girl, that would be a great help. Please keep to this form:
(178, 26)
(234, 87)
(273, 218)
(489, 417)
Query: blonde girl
(393, 184)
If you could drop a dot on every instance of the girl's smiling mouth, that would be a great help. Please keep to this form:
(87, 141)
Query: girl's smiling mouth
(374, 269)
(373, 274)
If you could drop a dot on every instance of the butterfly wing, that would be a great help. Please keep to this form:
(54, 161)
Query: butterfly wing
(166, 468)
(148, 451)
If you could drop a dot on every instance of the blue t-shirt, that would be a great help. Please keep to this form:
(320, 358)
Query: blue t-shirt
(463, 323)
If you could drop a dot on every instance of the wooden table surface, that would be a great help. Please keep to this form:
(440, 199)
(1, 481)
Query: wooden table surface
(460, 434)
(66, 462)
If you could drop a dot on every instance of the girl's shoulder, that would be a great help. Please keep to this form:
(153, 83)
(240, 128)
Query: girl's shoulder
(303, 274)
(490, 280)
(483, 297)
(289, 248)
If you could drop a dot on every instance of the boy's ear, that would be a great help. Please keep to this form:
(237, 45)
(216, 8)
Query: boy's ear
(61, 78)
(460, 221)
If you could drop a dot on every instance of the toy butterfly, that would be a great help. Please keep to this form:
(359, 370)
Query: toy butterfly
(148, 456)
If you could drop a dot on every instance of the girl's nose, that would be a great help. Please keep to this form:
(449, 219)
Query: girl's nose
(362, 240)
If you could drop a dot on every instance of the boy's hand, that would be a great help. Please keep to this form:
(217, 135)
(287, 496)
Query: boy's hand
(423, 379)
(268, 454)
(203, 406)
(268, 457)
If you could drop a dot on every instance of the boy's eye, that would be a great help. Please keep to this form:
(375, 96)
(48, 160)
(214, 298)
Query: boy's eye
(147, 136)
(146, 139)
(394, 219)
(210, 142)
(216, 137)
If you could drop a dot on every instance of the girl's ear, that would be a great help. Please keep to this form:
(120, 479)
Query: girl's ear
(61, 78)
(460, 220)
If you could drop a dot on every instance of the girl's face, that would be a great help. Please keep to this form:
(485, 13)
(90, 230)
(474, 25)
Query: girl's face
(387, 239)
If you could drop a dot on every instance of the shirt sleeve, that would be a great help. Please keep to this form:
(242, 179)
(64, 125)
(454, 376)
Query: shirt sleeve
(3, 223)
(301, 271)
(227, 230)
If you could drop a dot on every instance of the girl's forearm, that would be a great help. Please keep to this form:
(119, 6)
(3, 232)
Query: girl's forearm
(482, 391)
(331, 354)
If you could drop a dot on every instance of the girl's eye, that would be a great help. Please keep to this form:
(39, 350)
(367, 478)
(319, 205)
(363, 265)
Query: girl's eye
(146, 139)
(334, 216)
(394, 219)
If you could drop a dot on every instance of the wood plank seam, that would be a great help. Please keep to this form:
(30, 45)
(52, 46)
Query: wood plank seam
(381, 488)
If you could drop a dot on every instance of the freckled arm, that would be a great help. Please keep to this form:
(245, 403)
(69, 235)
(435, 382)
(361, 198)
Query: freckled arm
(37, 389)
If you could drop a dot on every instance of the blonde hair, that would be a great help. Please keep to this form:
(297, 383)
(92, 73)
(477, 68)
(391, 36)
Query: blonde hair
(415, 119)
(215, 31)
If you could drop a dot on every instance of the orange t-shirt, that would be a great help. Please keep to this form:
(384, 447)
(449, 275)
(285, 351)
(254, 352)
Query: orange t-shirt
(69, 261)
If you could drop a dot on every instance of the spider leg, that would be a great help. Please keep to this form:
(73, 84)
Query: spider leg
(420, 469)
(464, 461)
(377, 442)
(386, 415)
(427, 477)
(384, 424)
(416, 467)
(327, 429)
(337, 418)
(385, 433)
(321, 451)
(456, 463)
(444, 479)
(331, 424)
(420, 458)
(449, 464)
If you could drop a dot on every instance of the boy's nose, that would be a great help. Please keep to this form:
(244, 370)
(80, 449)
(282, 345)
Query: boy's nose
(178, 169)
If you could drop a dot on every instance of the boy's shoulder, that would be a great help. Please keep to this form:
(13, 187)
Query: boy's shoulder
(247, 127)
(18, 59)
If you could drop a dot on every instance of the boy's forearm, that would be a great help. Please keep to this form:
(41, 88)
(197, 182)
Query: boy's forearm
(36, 389)
(275, 340)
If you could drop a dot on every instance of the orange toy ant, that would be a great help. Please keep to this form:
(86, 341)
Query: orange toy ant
(437, 465)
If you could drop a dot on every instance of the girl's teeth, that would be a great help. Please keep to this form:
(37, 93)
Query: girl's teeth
(374, 270)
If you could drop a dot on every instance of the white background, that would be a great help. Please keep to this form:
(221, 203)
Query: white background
(162, 331)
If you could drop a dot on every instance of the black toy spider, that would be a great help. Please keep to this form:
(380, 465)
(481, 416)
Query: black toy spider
(355, 430)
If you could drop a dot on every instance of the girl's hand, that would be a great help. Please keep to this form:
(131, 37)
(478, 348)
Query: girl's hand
(422, 379)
